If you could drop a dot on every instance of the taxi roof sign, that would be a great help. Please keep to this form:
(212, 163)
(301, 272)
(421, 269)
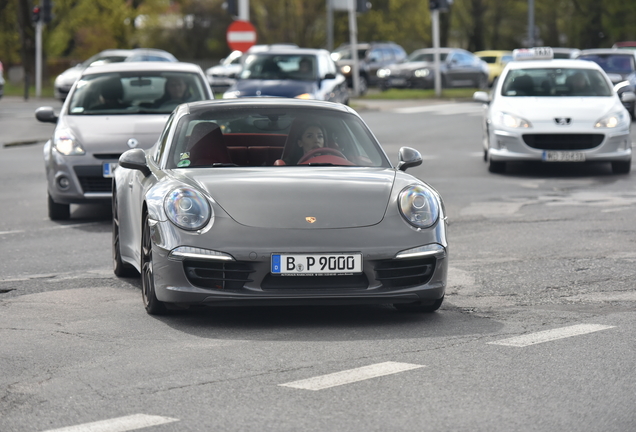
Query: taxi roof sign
(537, 53)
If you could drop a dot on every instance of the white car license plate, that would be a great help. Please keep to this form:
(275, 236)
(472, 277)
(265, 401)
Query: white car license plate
(108, 169)
(316, 264)
(563, 156)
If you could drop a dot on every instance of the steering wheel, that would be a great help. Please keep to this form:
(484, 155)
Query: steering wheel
(321, 151)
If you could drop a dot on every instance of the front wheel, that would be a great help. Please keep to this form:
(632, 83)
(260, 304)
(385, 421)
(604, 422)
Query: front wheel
(496, 166)
(58, 211)
(621, 167)
(419, 307)
(151, 303)
(364, 86)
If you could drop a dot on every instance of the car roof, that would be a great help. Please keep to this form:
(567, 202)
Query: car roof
(492, 52)
(608, 51)
(445, 50)
(266, 102)
(291, 50)
(558, 63)
(143, 66)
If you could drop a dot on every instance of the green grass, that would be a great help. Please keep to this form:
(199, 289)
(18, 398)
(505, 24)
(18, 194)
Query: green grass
(13, 90)
(394, 94)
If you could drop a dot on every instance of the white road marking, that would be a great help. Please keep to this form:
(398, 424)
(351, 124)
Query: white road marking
(11, 232)
(551, 335)
(351, 376)
(120, 424)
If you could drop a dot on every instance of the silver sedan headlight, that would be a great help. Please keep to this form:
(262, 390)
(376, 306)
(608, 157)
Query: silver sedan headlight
(187, 209)
(422, 73)
(65, 143)
(511, 121)
(613, 120)
(383, 73)
(419, 206)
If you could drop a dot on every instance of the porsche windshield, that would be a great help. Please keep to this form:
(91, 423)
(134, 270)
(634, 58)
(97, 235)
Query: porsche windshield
(273, 137)
(555, 82)
(135, 93)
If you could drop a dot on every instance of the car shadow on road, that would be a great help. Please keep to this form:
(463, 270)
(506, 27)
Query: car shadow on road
(561, 170)
(325, 323)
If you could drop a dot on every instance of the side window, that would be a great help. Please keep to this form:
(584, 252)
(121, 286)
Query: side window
(375, 56)
(163, 140)
(326, 65)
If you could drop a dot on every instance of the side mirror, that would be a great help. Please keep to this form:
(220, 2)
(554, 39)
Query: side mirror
(481, 96)
(628, 96)
(135, 159)
(408, 157)
(46, 114)
(330, 76)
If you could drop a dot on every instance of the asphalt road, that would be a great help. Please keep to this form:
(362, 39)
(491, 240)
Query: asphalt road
(536, 334)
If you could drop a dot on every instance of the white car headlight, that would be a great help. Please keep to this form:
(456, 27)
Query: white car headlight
(305, 96)
(345, 69)
(613, 120)
(419, 206)
(511, 121)
(422, 73)
(187, 208)
(383, 73)
(65, 143)
(231, 94)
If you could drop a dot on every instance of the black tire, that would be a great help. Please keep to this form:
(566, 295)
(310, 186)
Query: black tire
(120, 268)
(151, 303)
(621, 167)
(496, 166)
(58, 211)
(419, 307)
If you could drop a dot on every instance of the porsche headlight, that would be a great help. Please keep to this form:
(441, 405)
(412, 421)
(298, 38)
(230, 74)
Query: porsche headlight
(511, 121)
(422, 73)
(613, 120)
(187, 208)
(65, 143)
(419, 206)
(383, 73)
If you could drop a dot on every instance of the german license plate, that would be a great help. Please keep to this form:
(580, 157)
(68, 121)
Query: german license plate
(563, 156)
(108, 169)
(316, 264)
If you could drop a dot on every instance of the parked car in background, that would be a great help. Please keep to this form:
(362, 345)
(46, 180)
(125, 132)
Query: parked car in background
(1, 80)
(110, 109)
(371, 57)
(496, 61)
(223, 75)
(458, 67)
(302, 73)
(620, 66)
(66, 79)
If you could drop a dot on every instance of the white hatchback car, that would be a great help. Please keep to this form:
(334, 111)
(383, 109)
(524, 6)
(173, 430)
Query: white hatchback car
(555, 111)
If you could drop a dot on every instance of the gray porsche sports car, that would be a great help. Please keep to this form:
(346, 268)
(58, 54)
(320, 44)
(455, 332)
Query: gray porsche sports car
(276, 202)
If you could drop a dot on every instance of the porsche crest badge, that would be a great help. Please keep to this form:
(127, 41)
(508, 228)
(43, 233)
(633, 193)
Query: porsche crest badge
(310, 219)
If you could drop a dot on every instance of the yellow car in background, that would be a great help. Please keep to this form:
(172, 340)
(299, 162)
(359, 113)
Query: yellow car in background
(496, 61)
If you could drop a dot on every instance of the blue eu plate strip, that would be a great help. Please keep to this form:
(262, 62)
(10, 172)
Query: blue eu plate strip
(275, 263)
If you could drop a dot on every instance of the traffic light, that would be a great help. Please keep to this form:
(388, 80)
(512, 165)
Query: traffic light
(35, 14)
(231, 6)
(363, 6)
(440, 5)
(47, 11)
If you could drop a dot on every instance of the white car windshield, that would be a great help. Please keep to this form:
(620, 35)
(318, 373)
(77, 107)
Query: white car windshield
(135, 93)
(547, 82)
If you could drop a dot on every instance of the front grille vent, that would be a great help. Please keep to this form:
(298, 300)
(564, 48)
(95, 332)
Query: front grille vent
(107, 156)
(309, 283)
(225, 275)
(563, 141)
(95, 184)
(399, 273)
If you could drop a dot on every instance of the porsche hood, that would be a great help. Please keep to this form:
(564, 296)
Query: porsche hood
(300, 197)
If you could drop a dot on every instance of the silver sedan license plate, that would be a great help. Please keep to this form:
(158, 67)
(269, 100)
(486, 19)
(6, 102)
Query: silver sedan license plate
(316, 264)
(563, 156)
(108, 169)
